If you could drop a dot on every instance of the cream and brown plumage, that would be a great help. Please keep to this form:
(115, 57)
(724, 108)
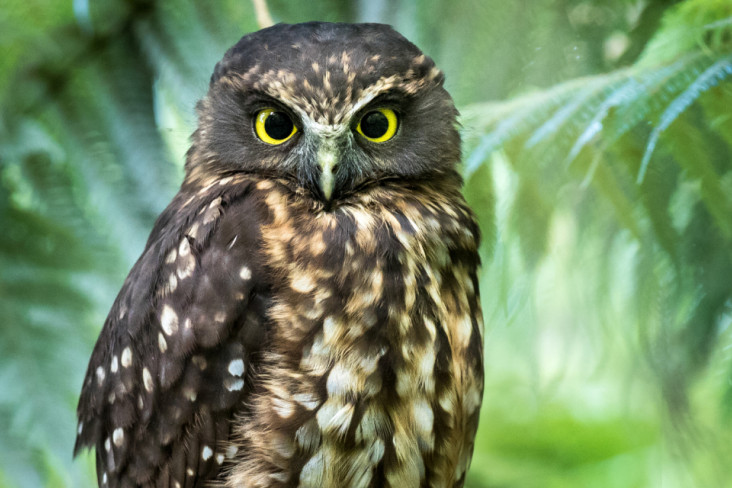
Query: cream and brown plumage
(306, 310)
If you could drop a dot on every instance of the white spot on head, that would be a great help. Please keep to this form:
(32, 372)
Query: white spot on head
(236, 367)
(126, 357)
(147, 379)
(118, 436)
(169, 320)
(206, 453)
(245, 273)
(100, 375)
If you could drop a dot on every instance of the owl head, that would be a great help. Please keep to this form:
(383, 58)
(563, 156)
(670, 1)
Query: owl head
(333, 108)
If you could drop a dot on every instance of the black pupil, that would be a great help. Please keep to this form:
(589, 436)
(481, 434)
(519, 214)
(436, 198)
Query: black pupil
(278, 125)
(374, 125)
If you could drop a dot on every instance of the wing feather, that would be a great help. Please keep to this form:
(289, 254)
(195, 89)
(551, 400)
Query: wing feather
(172, 363)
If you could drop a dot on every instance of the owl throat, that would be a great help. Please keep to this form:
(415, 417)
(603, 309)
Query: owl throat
(370, 376)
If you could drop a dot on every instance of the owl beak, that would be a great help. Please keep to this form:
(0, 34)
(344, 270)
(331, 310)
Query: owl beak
(328, 162)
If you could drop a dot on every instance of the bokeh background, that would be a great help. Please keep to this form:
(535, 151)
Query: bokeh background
(598, 156)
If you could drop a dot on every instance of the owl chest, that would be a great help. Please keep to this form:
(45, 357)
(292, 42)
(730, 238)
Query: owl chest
(362, 376)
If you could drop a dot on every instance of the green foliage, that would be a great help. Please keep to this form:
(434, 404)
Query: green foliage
(602, 186)
(644, 153)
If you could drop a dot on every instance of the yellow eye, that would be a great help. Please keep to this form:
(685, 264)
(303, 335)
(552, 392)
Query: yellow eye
(274, 126)
(379, 125)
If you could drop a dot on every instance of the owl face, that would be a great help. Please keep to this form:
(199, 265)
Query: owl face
(334, 108)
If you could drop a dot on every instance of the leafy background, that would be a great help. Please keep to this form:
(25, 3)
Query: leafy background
(598, 156)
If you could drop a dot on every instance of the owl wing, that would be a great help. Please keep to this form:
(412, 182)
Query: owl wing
(172, 363)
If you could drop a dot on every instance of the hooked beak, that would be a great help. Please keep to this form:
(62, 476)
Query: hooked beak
(328, 155)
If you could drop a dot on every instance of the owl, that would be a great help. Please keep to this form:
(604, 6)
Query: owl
(306, 311)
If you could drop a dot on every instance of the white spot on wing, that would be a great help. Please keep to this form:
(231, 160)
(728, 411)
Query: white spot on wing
(126, 357)
(199, 361)
(206, 453)
(172, 282)
(118, 436)
(185, 247)
(169, 320)
(236, 367)
(147, 379)
(162, 343)
(100, 375)
(234, 384)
